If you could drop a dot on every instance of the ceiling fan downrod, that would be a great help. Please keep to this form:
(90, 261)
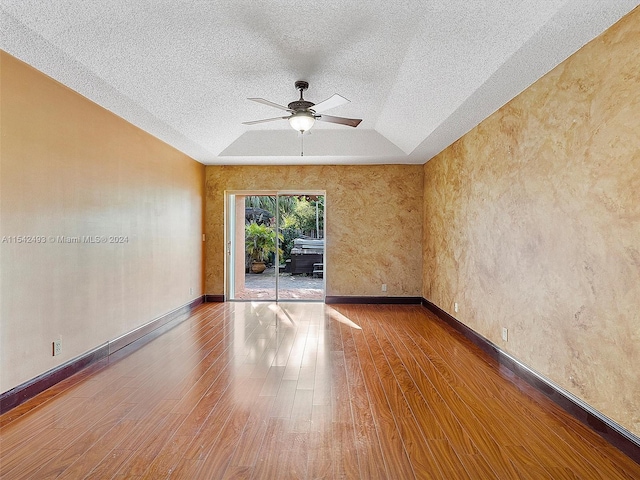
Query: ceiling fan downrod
(302, 86)
(302, 104)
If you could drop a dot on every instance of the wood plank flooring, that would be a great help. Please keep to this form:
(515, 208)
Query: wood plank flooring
(301, 391)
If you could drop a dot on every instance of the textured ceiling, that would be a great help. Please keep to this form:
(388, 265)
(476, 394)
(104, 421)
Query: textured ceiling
(420, 73)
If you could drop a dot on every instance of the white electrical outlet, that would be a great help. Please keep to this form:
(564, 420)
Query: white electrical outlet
(190, 290)
(384, 287)
(505, 334)
(455, 307)
(57, 347)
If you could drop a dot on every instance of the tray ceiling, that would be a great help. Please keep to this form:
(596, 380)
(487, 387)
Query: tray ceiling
(419, 73)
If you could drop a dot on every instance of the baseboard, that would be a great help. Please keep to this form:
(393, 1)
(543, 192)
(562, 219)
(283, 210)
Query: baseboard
(179, 314)
(214, 298)
(373, 300)
(611, 431)
(20, 394)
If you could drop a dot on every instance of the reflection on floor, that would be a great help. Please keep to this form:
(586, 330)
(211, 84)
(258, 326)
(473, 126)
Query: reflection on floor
(290, 287)
(301, 390)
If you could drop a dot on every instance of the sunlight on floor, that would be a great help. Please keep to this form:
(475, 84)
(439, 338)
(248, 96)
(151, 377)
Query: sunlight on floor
(338, 317)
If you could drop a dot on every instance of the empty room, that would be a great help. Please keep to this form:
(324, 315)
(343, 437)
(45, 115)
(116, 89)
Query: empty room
(304, 240)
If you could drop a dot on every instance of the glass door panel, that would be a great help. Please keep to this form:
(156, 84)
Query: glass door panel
(253, 273)
(302, 247)
(263, 265)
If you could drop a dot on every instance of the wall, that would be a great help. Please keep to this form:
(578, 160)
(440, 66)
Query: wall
(373, 222)
(70, 168)
(532, 222)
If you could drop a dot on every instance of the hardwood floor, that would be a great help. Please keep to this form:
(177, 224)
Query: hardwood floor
(342, 391)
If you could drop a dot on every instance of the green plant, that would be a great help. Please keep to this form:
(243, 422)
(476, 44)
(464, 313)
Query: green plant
(288, 235)
(285, 203)
(307, 216)
(260, 241)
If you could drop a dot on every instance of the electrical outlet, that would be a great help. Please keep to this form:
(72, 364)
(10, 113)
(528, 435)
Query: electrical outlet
(384, 287)
(505, 334)
(190, 290)
(455, 307)
(57, 347)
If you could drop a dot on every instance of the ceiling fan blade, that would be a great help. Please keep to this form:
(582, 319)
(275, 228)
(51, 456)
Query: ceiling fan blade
(352, 122)
(264, 121)
(332, 102)
(271, 104)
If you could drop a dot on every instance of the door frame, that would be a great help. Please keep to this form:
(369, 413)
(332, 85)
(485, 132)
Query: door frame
(230, 225)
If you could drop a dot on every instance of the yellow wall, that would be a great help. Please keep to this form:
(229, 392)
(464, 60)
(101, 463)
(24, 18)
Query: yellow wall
(70, 168)
(373, 222)
(532, 222)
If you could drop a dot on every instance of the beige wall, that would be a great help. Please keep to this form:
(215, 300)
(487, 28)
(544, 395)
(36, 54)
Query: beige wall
(373, 222)
(532, 222)
(70, 168)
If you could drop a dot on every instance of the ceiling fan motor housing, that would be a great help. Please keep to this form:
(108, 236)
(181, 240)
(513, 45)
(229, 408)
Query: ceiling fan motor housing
(300, 105)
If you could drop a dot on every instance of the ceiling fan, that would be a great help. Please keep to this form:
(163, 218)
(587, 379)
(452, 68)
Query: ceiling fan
(305, 113)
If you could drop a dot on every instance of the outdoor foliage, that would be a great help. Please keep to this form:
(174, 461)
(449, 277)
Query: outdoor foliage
(289, 234)
(298, 217)
(304, 216)
(260, 241)
(268, 202)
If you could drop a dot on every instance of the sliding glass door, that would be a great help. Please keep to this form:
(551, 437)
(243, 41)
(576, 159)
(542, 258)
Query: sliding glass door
(275, 246)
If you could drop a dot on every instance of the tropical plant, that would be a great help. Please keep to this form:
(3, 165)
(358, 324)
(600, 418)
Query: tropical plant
(285, 204)
(260, 241)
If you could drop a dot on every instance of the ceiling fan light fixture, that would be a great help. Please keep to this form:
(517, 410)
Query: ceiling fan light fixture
(302, 121)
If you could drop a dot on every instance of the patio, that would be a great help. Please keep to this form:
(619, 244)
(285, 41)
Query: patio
(262, 286)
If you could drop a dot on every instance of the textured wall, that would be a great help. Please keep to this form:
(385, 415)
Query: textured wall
(532, 221)
(373, 222)
(70, 168)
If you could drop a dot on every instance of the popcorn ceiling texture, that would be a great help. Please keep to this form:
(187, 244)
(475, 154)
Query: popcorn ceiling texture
(420, 74)
(532, 222)
(373, 222)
